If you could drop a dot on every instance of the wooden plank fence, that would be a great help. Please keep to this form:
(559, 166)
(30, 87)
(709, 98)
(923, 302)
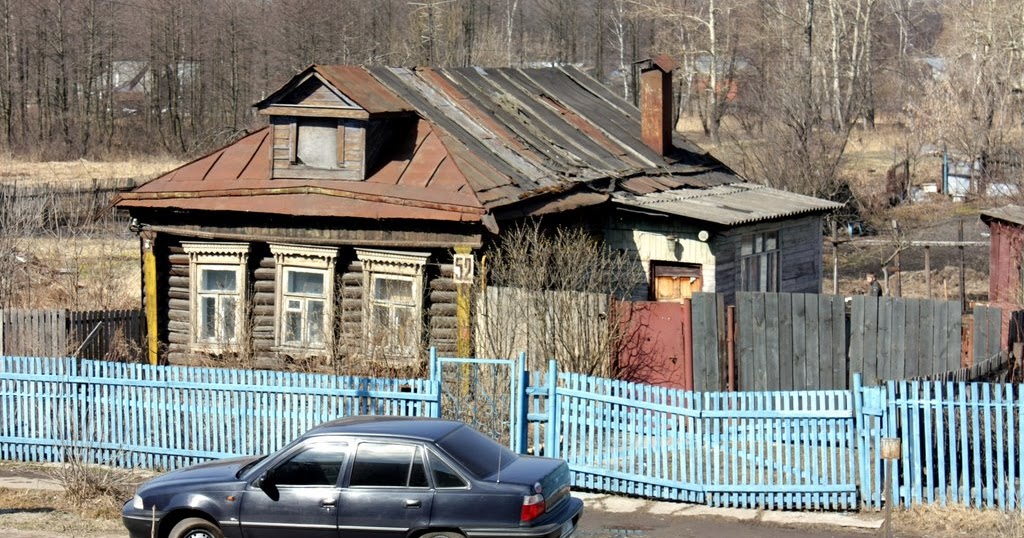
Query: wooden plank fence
(791, 341)
(100, 334)
(893, 338)
(787, 341)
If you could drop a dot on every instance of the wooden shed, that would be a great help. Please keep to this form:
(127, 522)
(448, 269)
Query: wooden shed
(344, 228)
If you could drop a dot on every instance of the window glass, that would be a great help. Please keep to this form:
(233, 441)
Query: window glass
(384, 465)
(319, 465)
(315, 322)
(305, 308)
(305, 283)
(219, 280)
(208, 318)
(759, 262)
(480, 455)
(444, 475)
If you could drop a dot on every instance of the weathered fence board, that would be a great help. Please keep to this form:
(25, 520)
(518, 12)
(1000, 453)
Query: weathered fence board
(894, 338)
(988, 326)
(791, 341)
(708, 362)
(97, 334)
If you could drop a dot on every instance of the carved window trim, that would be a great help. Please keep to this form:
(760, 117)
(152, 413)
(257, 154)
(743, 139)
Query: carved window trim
(300, 258)
(215, 256)
(379, 267)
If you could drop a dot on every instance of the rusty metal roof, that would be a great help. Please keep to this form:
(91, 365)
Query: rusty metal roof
(481, 141)
(728, 205)
(1013, 214)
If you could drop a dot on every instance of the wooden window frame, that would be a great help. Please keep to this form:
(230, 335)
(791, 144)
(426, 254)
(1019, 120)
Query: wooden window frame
(381, 265)
(765, 258)
(306, 259)
(216, 256)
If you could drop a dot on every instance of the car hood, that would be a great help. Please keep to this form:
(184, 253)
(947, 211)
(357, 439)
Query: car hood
(207, 473)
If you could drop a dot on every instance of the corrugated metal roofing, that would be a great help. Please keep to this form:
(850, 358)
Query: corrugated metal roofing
(481, 140)
(728, 205)
(1011, 213)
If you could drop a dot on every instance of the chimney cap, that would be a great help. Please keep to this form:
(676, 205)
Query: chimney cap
(664, 62)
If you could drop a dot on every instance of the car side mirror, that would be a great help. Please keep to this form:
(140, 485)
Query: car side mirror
(266, 482)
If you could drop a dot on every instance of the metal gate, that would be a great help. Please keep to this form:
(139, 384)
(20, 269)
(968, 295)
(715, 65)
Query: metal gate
(484, 393)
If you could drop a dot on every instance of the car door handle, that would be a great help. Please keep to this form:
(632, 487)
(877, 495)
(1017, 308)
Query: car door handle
(329, 503)
(412, 503)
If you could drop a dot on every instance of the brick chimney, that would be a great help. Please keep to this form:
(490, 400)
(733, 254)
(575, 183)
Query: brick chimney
(656, 103)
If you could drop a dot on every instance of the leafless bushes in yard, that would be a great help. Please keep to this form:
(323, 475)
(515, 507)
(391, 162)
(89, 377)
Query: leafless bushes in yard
(548, 292)
(97, 489)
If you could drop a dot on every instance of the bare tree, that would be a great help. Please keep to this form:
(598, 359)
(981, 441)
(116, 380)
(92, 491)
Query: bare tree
(550, 293)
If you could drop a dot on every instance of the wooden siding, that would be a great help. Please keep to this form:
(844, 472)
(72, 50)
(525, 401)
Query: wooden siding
(800, 250)
(442, 322)
(178, 310)
(258, 344)
(352, 156)
(648, 240)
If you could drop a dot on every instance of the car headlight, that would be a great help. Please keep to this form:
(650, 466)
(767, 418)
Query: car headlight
(137, 503)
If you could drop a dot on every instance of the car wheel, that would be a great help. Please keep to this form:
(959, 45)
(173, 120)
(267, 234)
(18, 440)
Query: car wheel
(195, 527)
(429, 534)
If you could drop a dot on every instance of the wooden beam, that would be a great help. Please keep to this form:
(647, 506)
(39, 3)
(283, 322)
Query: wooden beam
(315, 112)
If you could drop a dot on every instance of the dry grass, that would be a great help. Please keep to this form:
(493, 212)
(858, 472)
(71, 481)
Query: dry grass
(958, 521)
(144, 168)
(31, 509)
(82, 273)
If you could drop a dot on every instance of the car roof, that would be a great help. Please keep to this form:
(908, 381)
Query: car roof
(427, 429)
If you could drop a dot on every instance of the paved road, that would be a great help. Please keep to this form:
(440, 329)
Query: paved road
(599, 524)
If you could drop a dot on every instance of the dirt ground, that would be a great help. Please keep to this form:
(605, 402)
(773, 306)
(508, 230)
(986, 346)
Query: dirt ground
(30, 512)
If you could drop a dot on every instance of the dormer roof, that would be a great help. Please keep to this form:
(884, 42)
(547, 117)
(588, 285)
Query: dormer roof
(354, 87)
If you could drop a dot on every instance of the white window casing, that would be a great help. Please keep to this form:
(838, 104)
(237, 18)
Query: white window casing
(304, 311)
(217, 292)
(392, 301)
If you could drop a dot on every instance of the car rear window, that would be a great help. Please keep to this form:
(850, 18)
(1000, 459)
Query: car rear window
(479, 454)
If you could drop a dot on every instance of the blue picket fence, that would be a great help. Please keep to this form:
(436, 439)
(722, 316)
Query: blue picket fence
(162, 417)
(771, 450)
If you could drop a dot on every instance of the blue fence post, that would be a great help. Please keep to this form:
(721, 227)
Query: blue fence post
(552, 434)
(520, 405)
(859, 425)
(434, 368)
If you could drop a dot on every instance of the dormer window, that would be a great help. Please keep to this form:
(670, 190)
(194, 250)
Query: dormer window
(330, 122)
(316, 142)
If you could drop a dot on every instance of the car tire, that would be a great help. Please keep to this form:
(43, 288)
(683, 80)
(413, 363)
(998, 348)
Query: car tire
(195, 527)
(431, 534)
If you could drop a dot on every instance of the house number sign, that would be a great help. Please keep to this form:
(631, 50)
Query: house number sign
(463, 273)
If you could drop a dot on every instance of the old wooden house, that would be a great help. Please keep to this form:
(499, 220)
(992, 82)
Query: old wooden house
(342, 228)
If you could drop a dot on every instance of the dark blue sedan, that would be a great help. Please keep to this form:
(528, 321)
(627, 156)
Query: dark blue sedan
(368, 477)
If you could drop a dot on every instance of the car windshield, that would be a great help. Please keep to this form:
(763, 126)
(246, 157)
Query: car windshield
(476, 452)
(248, 466)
